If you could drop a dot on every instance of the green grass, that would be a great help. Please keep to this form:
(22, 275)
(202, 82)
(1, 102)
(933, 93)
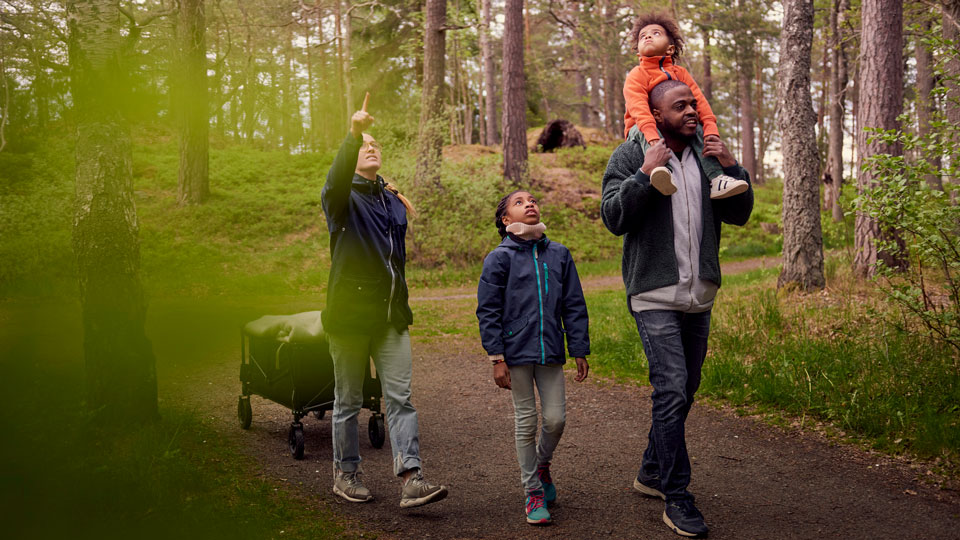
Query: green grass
(178, 478)
(824, 359)
(263, 231)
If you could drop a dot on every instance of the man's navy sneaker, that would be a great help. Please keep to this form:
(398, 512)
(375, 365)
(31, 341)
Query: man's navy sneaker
(648, 486)
(684, 519)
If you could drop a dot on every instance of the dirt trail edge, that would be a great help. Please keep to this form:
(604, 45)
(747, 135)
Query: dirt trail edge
(751, 480)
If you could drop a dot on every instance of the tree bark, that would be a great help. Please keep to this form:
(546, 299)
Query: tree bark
(193, 186)
(343, 119)
(347, 26)
(583, 94)
(430, 139)
(121, 380)
(747, 120)
(489, 84)
(838, 96)
(217, 85)
(951, 33)
(802, 236)
(610, 89)
(761, 115)
(514, 95)
(250, 82)
(926, 107)
(5, 114)
(880, 101)
(595, 104)
(707, 85)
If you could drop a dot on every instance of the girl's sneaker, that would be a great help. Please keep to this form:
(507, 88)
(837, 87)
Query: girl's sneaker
(536, 508)
(549, 490)
(724, 186)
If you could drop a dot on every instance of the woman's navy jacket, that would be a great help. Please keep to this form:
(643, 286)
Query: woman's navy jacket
(529, 297)
(367, 288)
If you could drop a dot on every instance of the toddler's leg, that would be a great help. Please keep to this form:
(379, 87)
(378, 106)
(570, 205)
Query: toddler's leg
(661, 178)
(721, 185)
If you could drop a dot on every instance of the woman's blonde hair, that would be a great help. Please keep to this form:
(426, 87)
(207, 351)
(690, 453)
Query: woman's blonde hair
(406, 203)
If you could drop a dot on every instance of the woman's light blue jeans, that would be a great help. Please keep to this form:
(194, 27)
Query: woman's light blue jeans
(394, 362)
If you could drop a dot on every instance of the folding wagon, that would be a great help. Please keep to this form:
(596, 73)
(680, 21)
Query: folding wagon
(286, 359)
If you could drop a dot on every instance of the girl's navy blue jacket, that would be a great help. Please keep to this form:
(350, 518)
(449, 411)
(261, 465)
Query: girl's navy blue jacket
(529, 297)
(367, 288)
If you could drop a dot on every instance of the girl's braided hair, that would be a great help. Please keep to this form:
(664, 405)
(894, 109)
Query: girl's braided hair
(502, 209)
(668, 23)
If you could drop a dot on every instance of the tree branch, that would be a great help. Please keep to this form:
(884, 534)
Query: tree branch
(455, 27)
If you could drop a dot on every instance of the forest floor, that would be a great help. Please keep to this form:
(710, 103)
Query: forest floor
(751, 479)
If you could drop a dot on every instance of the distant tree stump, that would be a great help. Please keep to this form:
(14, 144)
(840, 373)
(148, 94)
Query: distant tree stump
(559, 134)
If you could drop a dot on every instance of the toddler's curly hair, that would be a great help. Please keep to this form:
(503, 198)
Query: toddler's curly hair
(668, 23)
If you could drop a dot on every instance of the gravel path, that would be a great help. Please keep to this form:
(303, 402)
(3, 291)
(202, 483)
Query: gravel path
(751, 480)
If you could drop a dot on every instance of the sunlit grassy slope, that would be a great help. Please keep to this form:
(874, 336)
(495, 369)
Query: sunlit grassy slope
(263, 231)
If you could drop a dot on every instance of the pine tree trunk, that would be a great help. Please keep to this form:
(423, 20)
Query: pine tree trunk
(880, 101)
(926, 107)
(514, 95)
(217, 85)
(595, 104)
(747, 121)
(343, 118)
(193, 186)
(802, 236)
(321, 123)
(610, 88)
(838, 86)
(583, 94)
(41, 91)
(347, 27)
(5, 105)
(430, 140)
(745, 51)
(121, 377)
(489, 84)
(465, 100)
(761, 116)
(311, 106)
(706, 86)
(951, 32)
(824, 90)
(250, 82)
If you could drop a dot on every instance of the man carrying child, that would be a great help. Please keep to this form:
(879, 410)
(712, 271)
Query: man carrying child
(671, 271)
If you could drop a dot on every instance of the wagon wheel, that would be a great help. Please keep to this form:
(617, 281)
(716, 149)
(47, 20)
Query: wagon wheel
(376, 430)
(244, 412)
(295, 438)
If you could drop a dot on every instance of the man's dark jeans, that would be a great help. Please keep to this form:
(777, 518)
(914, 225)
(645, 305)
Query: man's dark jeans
(675, 344)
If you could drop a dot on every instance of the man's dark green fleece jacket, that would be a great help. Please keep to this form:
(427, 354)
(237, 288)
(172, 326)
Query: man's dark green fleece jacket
(631, 207)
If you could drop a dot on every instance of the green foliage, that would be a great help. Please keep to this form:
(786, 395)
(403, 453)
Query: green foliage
(837, 364)
(751, 240)
(176, 478)
(928, 292)
(263, 232)
(831, 361)
(36, 204)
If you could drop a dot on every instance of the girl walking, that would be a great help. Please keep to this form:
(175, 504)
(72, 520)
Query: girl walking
(529, 297)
